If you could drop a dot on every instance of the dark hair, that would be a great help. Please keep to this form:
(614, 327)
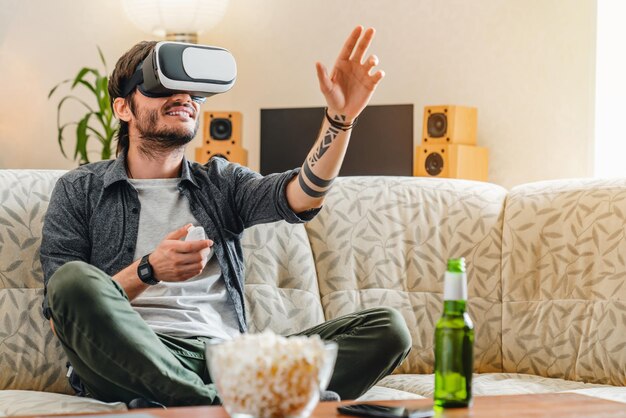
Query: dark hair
(124, 69)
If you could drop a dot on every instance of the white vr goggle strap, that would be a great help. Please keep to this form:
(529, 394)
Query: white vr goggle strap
(176, 67)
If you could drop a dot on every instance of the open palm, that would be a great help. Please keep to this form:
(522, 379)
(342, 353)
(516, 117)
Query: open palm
(350, 85)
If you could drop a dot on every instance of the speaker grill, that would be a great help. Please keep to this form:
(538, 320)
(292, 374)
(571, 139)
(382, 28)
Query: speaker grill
(221, 129)
(437, 125)
(434, 164)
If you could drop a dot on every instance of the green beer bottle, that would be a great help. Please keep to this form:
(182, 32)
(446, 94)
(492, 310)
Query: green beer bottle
(454, 342)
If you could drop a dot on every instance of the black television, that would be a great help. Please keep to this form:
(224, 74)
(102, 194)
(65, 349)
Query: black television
(381, 142)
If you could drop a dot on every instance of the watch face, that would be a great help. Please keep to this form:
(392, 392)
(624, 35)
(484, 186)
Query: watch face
(144, 271)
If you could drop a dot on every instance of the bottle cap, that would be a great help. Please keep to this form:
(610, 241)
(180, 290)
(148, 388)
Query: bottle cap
(456, 265)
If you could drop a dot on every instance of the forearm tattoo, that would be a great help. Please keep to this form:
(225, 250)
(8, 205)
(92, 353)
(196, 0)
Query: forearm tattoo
(328, 139)
(305, 187)
(325, 143)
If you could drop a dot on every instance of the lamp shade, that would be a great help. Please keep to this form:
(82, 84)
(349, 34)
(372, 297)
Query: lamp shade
(174, 17)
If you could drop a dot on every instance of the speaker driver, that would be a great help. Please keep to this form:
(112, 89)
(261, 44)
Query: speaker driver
(221, 128)
(437, 125)
(434, 164)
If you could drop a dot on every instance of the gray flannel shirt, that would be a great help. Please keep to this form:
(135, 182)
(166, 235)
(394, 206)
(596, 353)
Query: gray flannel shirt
(93, 216)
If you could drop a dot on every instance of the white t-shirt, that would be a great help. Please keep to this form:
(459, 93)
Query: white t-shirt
(199, 306)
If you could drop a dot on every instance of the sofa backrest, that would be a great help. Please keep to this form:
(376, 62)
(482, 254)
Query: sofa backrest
(281, 289)
(563, 275)
(30, 357)
(546, 294)
(385, 241)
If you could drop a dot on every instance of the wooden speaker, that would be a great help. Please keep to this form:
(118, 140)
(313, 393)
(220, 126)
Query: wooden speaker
(452, 161)
(449, 124)
(222, 137)
(233, 154)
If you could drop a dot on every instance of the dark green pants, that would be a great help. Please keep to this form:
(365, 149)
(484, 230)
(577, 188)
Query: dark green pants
(118, 357)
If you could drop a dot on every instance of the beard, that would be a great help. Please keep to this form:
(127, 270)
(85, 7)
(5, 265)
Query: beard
(161, 140)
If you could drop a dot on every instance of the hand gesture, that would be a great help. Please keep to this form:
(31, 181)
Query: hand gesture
(350, 85)
(175, 260)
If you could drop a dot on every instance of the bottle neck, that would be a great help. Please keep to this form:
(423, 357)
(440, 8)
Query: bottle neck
(454, 307)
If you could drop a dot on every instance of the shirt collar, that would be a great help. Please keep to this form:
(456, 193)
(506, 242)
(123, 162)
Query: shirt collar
(117, 172)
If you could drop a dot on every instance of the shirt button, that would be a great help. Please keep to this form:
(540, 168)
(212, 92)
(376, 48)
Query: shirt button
(130, 249)
(134, 210)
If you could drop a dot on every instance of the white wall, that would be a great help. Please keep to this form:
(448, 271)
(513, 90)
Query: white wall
(528, 65)
(610, 138)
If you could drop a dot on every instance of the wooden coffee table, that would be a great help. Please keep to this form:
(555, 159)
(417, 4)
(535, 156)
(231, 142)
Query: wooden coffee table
(551, 405)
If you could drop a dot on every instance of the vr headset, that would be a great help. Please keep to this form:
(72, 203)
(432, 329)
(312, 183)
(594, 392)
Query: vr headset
(176, 67)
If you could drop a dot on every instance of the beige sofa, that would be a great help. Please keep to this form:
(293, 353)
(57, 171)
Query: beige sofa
(546, 265)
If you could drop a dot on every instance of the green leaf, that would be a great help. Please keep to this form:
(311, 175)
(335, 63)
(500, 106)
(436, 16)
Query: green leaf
(67, 98)
(60, 136)
(101, 88)
(102, 58)
(99, 135)
(57, 86)
(82, 73)
(81, 138)
(86, 84)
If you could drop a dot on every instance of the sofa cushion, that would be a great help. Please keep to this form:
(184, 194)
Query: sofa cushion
(385, 241)
(24, 402)
(31, 358)
(281, 281)
(564, 299)
(489, 384)
(381, 393)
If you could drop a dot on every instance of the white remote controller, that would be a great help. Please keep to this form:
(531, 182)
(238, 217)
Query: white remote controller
(196, 233)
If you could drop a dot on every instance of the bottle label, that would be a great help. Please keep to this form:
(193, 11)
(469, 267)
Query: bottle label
(454, 286)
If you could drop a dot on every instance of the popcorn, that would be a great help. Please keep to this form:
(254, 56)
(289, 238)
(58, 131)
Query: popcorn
(269, 376)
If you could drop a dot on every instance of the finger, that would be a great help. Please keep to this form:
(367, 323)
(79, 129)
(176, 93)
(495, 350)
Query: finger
(348, 46)
(179, 233)
(377, 76)
(362, 45)
(371, 62)
(322, 75)
(192, 246)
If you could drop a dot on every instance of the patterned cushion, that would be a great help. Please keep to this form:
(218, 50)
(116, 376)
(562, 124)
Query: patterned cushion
(489, 384)
(564, 252)
(34, 358)
(611, 393)
(281, 282)
(385, 241)
(381, 393)
(23, 402)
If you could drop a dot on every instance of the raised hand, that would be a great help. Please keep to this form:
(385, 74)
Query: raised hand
(350, 85)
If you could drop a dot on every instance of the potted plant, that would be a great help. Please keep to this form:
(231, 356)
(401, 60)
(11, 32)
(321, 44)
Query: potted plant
(97, 121)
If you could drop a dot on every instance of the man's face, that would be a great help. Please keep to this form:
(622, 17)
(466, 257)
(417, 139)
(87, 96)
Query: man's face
(167, 122)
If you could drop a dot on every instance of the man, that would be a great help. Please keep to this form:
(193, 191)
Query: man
(133, 310)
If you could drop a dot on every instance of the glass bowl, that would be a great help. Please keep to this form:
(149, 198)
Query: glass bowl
(268, 376)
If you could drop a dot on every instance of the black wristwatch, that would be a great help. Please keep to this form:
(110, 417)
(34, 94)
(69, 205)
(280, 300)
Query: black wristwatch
(145, 271)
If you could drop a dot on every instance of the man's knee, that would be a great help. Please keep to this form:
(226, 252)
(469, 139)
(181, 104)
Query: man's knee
(74, 281)
(397, 337)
